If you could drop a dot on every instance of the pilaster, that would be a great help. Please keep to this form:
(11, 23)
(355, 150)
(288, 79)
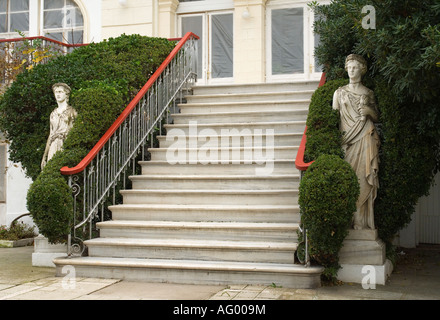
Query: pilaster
(249, 41)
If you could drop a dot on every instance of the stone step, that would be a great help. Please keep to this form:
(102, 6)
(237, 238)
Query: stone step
(221, 213)
(255, 87)
(211, 197)
(219, 182)
(212, 153)
(280, 140)
(191, 249)
(200, 230)
(240, 117)
(261, 128)
(278, 166)
(250, 97)
(244, 106)
(193, 272)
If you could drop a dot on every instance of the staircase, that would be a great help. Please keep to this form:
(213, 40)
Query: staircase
(218, 202)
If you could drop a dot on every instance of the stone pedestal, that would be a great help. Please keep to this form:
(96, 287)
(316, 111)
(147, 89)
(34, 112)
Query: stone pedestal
(362, 258)
(45, 252)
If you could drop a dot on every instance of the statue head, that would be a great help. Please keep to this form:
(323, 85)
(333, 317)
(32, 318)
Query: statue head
(61, 92)
(359, 59)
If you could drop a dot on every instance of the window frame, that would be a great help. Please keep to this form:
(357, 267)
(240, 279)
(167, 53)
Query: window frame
(63, 30)
(12, 33)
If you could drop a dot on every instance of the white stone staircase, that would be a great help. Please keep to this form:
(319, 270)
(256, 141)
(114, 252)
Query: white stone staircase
(218, 202)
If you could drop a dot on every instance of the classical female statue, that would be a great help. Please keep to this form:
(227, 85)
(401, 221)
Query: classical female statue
(61, 121)
(360, 141)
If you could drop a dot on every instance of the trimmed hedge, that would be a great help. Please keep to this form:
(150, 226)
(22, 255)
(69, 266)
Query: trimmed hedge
(124, 63)
(104, 77)
(327, 196)
(323, 135)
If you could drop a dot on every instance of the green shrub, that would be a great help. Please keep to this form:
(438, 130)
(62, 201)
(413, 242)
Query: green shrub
(327, 196)
(17, 231)
(403, 70)
(49, 197)
(125, 63)
(104, 77)
(406, 165)
(323, 135)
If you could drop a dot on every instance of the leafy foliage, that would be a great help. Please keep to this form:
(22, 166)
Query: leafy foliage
(104, 77)
(327, 196)
(403, 58)
(323, 135)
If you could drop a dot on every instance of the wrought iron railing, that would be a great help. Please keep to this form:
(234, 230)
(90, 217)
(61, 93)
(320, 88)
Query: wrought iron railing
(302, 167)
(95, 178)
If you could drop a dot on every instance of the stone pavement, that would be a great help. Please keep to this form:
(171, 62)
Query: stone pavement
(415, 277)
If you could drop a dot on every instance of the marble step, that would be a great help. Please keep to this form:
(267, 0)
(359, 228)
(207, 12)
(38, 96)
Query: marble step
(200, 230)
(251, 97)
(279, 140)
(225, 212)
(218, 182)
(211, 197)
(279, 166)
(255, 87)
(200, 107)
(192, 249)
(193, 271)
(240, 117)
(212, 153)
(239, 128)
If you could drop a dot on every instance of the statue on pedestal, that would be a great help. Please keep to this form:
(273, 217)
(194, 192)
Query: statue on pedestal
(360, 140)
(61, 121)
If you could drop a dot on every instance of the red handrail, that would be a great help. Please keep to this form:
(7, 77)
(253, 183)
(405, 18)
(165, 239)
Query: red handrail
(45, 39)
(299, 161)
(98, 146)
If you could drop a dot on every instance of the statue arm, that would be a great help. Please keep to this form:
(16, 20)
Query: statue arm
(335, 105)
(370, 107)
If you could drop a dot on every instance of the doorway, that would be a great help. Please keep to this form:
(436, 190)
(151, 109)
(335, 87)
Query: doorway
(215, 46)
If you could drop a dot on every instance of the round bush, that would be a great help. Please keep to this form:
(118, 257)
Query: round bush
(323, 135)
(104, 77)
(327, 197)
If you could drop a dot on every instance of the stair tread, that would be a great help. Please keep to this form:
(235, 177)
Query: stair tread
(230, 148)
(240, 94)
(234, 113)
(273, 123)
(197, 224)
(211, 191)
(205, 207)
(276, 134)
(192, 243)
(189, 264)
(216, 176)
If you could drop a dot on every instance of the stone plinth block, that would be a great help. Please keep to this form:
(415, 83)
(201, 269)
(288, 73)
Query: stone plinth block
(363, 256)
(45, 252)
(362, 247)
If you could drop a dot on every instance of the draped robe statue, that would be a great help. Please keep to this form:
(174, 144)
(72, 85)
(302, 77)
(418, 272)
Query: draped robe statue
(61, 121)
(360, 141)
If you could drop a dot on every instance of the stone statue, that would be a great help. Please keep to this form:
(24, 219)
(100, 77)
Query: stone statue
(61, 121)
(360, 140)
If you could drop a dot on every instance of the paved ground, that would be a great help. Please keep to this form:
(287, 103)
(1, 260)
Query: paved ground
(416, 276)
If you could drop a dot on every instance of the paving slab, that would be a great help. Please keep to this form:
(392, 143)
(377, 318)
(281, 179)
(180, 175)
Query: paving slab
(415, 277)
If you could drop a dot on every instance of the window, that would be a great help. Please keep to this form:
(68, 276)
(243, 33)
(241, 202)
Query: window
(14, 16)
(287, 41)
(63, 21)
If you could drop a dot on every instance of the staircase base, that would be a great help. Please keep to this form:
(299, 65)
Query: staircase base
(193, 272)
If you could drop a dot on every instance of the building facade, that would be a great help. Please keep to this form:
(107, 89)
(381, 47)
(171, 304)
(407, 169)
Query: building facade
(241, 41)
